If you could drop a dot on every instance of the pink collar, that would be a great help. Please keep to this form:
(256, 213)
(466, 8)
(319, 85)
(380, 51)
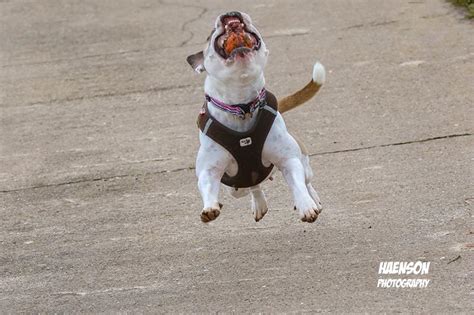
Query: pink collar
(239, 109)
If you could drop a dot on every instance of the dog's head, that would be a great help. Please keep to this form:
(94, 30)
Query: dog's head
(235, 50)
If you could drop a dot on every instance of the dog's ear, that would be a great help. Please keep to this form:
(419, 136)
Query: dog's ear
(196, 61)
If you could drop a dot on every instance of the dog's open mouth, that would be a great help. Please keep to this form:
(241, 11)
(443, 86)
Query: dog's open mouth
(236, 40)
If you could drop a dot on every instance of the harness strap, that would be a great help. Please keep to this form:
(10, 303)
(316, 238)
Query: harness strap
(239, 109)
(245, 147)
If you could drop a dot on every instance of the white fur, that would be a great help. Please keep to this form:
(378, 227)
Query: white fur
(239, 82)
(319, 74)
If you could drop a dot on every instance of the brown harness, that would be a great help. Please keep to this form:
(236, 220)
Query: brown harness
(245, 147)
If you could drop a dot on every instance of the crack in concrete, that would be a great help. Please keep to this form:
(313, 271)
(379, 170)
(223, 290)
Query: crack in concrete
(185, 43)
(371, 24)
(285, 35)
(54, 61)
(393, 144)
(110, 94)
(133, 51)
(183, 27)
(106, 178)
(113, 94)
(204, 10)
(190, 168)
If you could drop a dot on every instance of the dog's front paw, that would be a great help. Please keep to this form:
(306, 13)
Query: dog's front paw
(308, 214)
(210, 213)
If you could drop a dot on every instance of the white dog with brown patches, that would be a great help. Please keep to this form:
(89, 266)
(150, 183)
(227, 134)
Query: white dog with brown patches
(242, 134)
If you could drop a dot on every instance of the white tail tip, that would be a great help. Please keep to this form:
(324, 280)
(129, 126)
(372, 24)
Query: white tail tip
(319, 74)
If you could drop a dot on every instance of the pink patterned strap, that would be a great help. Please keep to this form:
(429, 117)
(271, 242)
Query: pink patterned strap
(239, 109)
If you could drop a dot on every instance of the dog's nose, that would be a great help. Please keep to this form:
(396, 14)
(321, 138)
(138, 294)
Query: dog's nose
(232, 14)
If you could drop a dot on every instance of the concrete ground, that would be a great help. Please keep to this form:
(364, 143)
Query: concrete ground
(99, 207)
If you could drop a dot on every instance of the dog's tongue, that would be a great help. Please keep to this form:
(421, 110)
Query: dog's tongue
(236, 36)
(237, 40)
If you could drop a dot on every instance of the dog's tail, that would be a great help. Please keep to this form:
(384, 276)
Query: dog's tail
(303, 95)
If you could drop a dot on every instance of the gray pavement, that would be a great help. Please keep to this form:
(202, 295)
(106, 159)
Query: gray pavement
(99, 209)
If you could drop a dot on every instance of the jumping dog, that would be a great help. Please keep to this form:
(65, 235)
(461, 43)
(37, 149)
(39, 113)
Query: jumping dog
(242, 133)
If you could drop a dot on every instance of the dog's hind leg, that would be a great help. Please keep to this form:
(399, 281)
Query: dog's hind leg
(308, 174)
(283, 151)
(314, 195)
(259, 202)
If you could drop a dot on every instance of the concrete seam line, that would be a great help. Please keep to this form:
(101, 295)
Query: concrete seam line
(393, 144)
(189, 168)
